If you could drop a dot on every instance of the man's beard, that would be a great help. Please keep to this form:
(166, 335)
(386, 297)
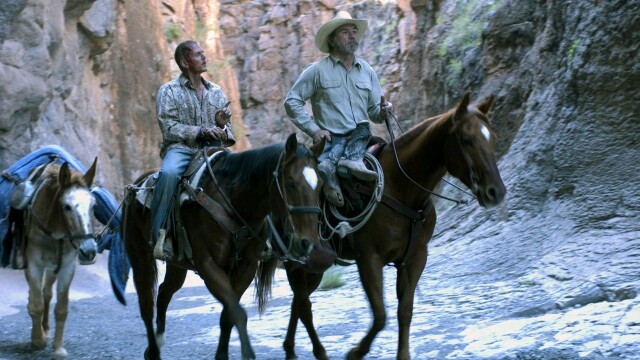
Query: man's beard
(349, 47)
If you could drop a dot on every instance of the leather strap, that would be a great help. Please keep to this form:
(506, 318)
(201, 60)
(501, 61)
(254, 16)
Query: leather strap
(215, 210)
(417, 217)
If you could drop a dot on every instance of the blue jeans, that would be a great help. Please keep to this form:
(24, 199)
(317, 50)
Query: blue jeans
(174, 165)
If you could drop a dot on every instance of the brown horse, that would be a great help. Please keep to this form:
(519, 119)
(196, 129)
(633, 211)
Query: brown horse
(459, 142)
(228, 239)
(58, 228)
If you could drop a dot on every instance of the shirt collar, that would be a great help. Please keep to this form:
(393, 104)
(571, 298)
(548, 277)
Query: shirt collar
(336, 60)
(184, 81)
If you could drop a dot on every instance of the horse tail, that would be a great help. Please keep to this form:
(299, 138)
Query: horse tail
(264, 281)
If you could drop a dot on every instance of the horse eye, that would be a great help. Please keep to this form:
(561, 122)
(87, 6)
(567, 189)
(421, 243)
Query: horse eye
(67, 207)
(467, 141)
(291, 184)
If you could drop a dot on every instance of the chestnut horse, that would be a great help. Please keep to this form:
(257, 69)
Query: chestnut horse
(58, 232)
(228, 239)
(459, 142)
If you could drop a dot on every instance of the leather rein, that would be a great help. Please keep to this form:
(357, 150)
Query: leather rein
(221, 209)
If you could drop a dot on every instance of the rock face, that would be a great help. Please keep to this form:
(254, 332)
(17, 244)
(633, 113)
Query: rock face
(83, 74)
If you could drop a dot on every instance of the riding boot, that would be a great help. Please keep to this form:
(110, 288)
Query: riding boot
(331, 187)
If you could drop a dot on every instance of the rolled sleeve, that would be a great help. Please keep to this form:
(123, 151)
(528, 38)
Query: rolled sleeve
(301, 91)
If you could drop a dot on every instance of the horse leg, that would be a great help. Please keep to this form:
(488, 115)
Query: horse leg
(47, 293)
(241, 278)
(370, 270)
(35, 305)
(219, 285)
(173, 280)
(144, 278)
(303, 284)
(61, 310)
(407, 280)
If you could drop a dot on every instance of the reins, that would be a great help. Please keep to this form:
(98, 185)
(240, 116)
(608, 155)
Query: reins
(395, 152)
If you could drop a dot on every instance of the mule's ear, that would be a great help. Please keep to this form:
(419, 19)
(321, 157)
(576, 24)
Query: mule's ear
(486, 105)
(91, 173)
(318, 148)
(64, 176)
(462, 106)
(291, 147)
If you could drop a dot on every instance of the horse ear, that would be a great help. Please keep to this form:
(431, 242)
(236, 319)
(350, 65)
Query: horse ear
(485, 106)
(462, 106)
(291, 147)
(91, 173)
(318, 148)
(64, 176)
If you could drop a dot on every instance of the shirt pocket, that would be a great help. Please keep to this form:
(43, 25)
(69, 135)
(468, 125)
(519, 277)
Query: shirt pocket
(364, 90)
(332, 91)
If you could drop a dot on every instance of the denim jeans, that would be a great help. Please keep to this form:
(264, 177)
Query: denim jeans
(174, 165)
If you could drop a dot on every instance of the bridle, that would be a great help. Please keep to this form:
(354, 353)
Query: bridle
(288, 226)
(73, 239)
(278, 177)
(473, 177)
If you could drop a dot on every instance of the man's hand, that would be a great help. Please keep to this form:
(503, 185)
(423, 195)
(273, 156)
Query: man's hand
(321, 134)
(385, 108)
(223, 116)
(212, 133)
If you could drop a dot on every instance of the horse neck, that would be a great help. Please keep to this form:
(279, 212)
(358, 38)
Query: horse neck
(45, 207)
(420, 152)
(250, 199)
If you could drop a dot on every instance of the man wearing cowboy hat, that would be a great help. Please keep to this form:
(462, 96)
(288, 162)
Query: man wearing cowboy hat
(345, 95)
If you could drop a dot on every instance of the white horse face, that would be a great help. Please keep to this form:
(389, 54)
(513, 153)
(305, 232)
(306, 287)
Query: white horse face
(77, 209)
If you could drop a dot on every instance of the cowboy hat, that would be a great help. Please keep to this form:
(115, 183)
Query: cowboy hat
(341, 18)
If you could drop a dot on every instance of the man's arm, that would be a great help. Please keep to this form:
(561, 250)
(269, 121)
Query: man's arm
(301, 91)
(168, 118)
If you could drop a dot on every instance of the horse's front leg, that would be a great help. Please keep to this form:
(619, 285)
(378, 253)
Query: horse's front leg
(173, 280)
(61, 310)
(406, 283)
(35, 275)
(370, 270)
(303, 284)
(219, 285)
(47, 293)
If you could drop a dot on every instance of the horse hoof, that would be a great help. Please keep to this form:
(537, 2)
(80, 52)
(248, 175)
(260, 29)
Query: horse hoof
(60, 353)
(353, 355)
(38, 344)
(148, 357)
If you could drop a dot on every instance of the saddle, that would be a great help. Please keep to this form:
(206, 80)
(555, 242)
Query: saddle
(175, 244)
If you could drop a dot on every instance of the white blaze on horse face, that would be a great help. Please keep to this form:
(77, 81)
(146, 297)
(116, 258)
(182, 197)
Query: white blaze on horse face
(82, 202)
(311, 176)
(485, 132)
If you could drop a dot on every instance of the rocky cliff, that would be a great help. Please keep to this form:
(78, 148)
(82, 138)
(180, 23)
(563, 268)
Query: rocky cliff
(83, 74)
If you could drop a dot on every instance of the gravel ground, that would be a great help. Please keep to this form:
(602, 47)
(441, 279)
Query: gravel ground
(451, 322)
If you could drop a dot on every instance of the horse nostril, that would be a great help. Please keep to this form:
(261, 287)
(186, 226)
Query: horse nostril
(306, 246)
(491, 192)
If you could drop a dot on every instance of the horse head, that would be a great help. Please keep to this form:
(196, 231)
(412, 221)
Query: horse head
(299, 185)
(76, 208)
(470, 147)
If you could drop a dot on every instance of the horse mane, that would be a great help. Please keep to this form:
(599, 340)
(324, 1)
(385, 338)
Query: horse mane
(254, 164)
(425, 126)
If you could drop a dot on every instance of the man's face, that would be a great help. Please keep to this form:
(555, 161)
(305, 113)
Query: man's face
(346, 39)
(196, 61)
